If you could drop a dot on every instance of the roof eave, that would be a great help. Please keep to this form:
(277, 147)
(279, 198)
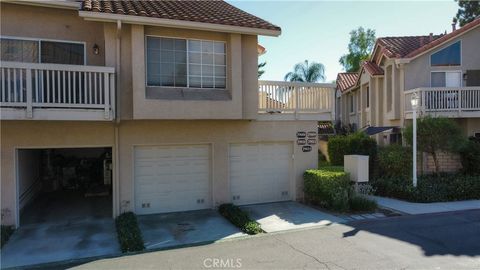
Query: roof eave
(47, 3)
(130, 19)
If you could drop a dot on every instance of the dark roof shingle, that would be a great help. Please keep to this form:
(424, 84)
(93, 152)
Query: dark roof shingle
(346, 80)
(372, 68)
(211, 11)
(399, 47)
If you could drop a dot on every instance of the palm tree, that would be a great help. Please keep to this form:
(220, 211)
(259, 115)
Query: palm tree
(260, 69)
(306, 72)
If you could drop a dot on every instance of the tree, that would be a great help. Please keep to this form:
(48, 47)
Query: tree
(260, 69)
(435, 135)
(361, 44)
(306, 72)
(467, 11)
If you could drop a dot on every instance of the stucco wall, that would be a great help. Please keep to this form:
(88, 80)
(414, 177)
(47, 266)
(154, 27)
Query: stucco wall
(42, 134)
(53, 23)
(417, 72)
(217, 133)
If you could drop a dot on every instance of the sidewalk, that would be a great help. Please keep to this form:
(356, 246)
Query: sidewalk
(425, 208)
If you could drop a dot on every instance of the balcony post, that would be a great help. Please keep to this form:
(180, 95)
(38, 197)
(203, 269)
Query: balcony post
(29, 111)
(106, 94)
(460, 102)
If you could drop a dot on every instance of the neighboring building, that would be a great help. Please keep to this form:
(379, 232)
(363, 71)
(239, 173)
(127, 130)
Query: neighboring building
(444, 71)
(154, 106)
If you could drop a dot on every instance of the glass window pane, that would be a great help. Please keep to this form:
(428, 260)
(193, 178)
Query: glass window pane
(207, 70)
(62, 53)
(219, 47)
(220, 71)
(180, 45)
(167, 81)
(195, 81)
(195, 69)
(207, 46)
(180, 70)
(153, 43)
(219, 59)
(438, 79)
(207, 59)
(220, 83)
(167, 56)
(180, 57)
(207, 82)
(153, 56)
(195, 58)
(449, 56)
(167, 43)
(181, 81)
(194, 46)
(19, 50)
(167, 69)
(153, 69)
(153, 80)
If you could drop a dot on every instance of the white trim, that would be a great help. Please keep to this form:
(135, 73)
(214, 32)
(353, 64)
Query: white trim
(107, 17)
(440, 49)
(39, 41)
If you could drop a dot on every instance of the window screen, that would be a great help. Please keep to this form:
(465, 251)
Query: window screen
(438, 79)
(16, 50)
(53, 52)
(186, 63)
(450, 56)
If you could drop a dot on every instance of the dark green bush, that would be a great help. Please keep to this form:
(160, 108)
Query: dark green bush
(129, 234)
(359, 203)
(395, 161)
(430, 188)
(354, 144)
(328, 187)
(239, 218)
(470, 157)
(6, 232)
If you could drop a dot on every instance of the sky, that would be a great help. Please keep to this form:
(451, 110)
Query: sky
(319, 30)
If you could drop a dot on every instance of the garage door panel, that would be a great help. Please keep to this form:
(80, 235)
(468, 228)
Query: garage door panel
(260, 172)
(177, 178)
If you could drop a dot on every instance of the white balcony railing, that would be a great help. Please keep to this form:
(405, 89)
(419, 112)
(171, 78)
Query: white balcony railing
(56, 92)
(443, 101)
(296, 100)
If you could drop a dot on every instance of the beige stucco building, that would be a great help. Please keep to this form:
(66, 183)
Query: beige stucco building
(168, 109)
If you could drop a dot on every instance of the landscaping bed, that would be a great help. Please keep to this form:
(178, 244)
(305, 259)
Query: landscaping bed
(129, 234)
(240, 218)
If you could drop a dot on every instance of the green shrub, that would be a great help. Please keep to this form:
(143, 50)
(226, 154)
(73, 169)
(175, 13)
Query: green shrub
(328, 187)
(359, 203)
(395, 161)
(430, 188)
(354, 144)
(6, 232)
(239, 218)
(470, 157)
(129, 234)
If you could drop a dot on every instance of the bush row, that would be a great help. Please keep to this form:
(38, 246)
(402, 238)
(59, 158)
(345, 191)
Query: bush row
(129, 234)
(354, 144)
(239, 218)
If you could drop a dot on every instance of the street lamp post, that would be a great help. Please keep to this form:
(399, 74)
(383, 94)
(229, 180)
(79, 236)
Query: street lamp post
(414, 102)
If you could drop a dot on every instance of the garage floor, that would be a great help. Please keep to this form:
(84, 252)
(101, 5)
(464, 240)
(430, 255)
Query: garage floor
(62, 226)
(185, 228)
(283, 216)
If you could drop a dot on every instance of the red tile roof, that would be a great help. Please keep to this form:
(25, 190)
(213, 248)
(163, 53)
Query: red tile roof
(372, 68)
(211, 11)
(399, 47)
(346, 80)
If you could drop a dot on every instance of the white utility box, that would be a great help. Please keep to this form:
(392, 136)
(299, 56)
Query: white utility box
(357, 167)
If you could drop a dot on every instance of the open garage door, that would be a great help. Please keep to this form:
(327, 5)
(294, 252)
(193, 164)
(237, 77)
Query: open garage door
(260, 172)
(172, 178)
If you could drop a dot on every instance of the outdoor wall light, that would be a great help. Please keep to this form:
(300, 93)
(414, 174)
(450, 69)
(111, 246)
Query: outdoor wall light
(96, 49)
(414, 100)
(465, 76)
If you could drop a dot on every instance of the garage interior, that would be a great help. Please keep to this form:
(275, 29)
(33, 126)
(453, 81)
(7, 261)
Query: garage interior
(64, 184)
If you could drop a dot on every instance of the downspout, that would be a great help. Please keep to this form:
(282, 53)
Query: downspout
(116, 196)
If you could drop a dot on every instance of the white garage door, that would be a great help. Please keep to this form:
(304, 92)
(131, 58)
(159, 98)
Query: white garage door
(260, 172)
(172, 178)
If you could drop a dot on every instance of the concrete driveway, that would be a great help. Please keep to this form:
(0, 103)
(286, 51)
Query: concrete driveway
(185, 228)
(45, 242)
(283, 216)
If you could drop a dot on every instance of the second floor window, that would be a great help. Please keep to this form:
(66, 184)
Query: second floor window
(368, 96)
(352, 109)
(192, 63)
(449, 56)
(42, 51)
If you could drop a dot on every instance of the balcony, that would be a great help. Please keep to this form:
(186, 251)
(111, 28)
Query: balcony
(463, 102)
(31, 91)
(296, 101)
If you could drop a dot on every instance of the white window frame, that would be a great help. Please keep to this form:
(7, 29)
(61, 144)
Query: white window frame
(39, 41)
(447, 71)
(188, 63)
(434, 52)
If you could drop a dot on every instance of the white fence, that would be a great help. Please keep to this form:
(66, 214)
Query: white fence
(31, 85)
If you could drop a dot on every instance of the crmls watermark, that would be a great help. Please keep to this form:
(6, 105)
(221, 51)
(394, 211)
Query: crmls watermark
(222, 263)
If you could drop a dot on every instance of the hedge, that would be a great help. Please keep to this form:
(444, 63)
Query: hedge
(239, 218)
(430, 188)
(470, 157)
(328, 187)
(395, 161)
(129, 234)
(354, 144)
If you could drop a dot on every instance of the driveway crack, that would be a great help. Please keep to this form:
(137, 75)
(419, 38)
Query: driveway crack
(305, 253)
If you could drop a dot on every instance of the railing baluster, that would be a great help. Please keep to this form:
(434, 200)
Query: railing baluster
(29, 93)
(64, 90)
(9, 86)
(95, 88)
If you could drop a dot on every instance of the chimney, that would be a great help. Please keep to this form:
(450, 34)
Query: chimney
(454, 26)
(430, 38)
